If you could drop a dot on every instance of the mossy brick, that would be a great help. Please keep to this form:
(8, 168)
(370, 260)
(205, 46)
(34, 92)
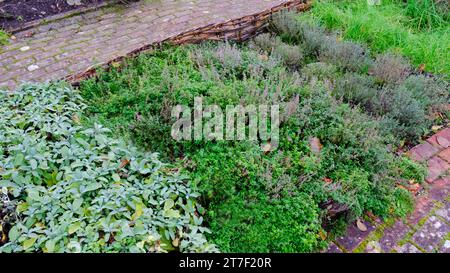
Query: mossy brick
(407, 248)
(354, 236)
(332, 248)
(444, 212)
(431, 233)
(392, 235)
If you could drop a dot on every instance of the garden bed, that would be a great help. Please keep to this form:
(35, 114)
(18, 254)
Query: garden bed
(15, 14)
(345, 110)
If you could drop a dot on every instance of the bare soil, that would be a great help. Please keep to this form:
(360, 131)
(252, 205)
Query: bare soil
(16, 13)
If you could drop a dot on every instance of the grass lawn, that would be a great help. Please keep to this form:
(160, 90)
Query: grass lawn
(417, 29)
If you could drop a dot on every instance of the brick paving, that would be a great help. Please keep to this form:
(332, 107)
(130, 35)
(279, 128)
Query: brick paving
(427, 229)
(73, 45)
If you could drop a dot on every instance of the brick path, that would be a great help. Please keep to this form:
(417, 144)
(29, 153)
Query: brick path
(425, 230)
(73, 45)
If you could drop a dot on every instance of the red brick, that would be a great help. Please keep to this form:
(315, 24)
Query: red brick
(423, 206)
(436, 168)
(444, 143)
(445, 154)
(423, 151)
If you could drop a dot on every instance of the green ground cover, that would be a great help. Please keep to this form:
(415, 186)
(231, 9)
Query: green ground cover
(3, 38)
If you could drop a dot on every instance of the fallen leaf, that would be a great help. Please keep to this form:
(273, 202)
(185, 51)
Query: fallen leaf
(436, 128)
(315, 145)
(29, 34)
(115, 64)
(361, 226)
(421, 68)
(327, 180)
(266, 148)
(124, 163)
(175, 242)
(371, 215)
(76, 119)
(442, 141)
(263, 57)
(414, 188)
(322, 235)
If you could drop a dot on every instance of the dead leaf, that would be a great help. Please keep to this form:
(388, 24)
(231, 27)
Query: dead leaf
(361, 226)
(414, 188)
(13, 37)
(442, 141)
(371, 215)
(115, 64)
(124, 163)
(436, 128)
(29, 34)
(421, 68)
(327, 180)
(76, 119)
(263, 57)
(266, 148)
(175, 242)
(315, 145)
(322, 235)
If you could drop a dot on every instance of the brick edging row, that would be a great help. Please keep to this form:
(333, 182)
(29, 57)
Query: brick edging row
(393, 237)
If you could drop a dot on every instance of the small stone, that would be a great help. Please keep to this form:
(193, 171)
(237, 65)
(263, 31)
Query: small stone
(32, 67)
(431, 233)
(315, 145)
(25, 48)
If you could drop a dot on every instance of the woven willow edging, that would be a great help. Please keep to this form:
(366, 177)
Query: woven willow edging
(239, 29)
